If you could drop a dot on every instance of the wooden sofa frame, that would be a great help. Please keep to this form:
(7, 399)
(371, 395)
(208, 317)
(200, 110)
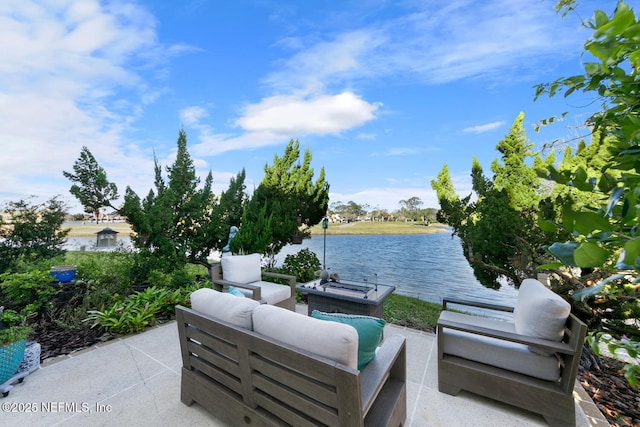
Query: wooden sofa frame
(219, 284)
(553, 400)
(244, 378)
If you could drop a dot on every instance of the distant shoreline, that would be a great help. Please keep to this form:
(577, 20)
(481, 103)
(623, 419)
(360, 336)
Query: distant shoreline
(88, 229)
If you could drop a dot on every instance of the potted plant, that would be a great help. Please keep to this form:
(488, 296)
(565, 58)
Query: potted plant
(13, 336)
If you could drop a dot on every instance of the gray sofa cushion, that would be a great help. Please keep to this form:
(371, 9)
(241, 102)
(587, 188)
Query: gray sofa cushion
(335, 341)
(496, 352)
(224, 306)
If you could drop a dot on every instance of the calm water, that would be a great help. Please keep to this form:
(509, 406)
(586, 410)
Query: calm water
(426, 266)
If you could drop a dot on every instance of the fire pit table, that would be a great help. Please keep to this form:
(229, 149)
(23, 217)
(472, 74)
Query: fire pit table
(346, 296)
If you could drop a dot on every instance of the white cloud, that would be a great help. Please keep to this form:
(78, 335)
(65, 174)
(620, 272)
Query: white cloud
(318, 63)
(291, 115)
(192, 115)
(279, 118)
(484, 128)
(63, 68)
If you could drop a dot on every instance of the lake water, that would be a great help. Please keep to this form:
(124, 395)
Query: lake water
(425, 266)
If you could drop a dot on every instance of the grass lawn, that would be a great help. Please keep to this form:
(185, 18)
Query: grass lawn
(379, 228)
(90, 229)
(124, 229)
(411, 312)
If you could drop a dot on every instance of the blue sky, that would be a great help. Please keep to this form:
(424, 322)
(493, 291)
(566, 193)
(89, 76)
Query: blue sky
(383, 93)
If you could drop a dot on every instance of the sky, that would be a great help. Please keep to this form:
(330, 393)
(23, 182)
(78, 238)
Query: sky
(383, 93)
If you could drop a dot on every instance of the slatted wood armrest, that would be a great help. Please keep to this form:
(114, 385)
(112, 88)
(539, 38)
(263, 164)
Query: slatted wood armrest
(221, 284)
(386, 370)
(546, 345)
(479, 304)
(290, 278)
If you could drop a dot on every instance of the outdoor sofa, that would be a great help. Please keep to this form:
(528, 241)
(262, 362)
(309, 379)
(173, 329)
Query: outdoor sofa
(261, 365)
(530, 362)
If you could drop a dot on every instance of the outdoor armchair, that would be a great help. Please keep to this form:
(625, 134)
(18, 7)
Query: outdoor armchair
(530, 362)
(244, 273)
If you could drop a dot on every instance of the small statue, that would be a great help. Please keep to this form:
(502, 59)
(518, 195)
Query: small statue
(232, 233)
(324, 277)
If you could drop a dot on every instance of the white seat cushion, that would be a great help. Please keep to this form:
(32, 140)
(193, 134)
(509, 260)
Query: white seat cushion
(270, 293)
(225, 307)
(503, 354)
(335, 341)
(241, 268)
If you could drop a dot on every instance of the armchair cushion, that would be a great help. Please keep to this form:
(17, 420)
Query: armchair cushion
(504, 354)
(540, 312)
(369, 332)
(335, 341)
(270, 293)
(241, 268)
(225, 307)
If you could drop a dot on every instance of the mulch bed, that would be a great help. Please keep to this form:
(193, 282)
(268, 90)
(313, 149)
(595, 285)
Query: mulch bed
(602, 377)
(57, 341)
(618, 401)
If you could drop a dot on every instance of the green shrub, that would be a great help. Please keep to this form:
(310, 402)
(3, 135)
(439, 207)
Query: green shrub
(30, 291)
(141, 309)
(12, 326)
(303, 265)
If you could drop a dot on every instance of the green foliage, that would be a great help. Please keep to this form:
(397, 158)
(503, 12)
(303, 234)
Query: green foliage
(604, 232)
(31, 232)
(512, 174)
(303, 265)
(12, 327)
(286, 203)
(230, 209)
(30, 291)
(178, 222)
(499, 232)
(140, 309)
(91, 186)
(112, 269)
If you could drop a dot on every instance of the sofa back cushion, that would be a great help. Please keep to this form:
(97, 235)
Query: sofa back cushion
(332, 340)
(241, 268)
(225, 307)
(540, 312)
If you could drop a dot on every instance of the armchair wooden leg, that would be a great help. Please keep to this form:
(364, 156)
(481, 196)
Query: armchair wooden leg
(443, 387)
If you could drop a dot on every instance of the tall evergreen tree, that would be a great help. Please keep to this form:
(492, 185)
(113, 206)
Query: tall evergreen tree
(499, 231)
(287, 199)
(512, 173)
(91, 186)
(173, 224)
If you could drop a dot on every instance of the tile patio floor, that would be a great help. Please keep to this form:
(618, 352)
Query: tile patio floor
(135, 381)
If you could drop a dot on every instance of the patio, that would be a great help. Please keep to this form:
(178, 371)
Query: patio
(136, 381)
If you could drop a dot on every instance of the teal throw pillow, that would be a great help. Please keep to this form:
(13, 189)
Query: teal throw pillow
(235, 291)
(369, 332)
